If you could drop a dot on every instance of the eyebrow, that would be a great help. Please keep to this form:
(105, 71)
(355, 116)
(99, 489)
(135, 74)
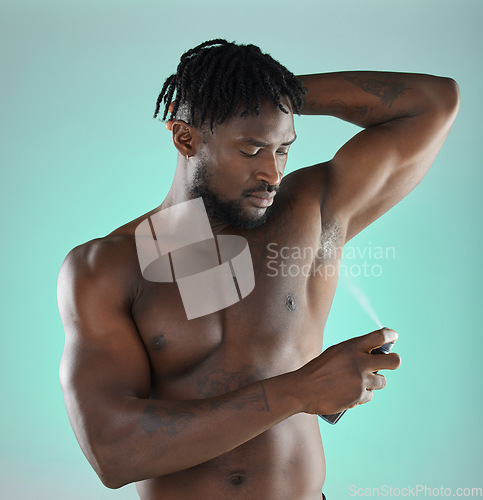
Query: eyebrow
(259, 144)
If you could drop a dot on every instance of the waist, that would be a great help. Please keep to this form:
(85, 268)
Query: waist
(287, 461)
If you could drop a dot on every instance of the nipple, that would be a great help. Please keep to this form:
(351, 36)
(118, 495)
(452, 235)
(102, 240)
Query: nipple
(290, 302)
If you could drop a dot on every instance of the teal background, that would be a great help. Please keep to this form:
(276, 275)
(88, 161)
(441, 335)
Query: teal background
(82, 155)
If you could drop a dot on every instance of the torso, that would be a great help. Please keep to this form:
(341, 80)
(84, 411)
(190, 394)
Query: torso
(277, 328)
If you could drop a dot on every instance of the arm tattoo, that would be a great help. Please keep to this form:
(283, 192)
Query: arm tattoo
(264, 396)
(221, 381)
(338, 107)
(254, 398)
(387, 92)
(170, 421)
(173, 419)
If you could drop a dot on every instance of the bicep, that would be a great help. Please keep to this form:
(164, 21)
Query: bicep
(382, 164)
(104, 360)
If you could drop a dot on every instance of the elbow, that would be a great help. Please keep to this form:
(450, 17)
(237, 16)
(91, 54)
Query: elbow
(440, 102)
(118, 465)
(114, 466)
(110, 471)
(113, 482)
(448, 97)
(110, 481)
(453, 98)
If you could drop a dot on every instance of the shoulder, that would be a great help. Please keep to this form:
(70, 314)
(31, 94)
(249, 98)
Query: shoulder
(99, 253)
(113, 258)
(109, 263)
(313, 173)
(308, 183)
(309, 192)
(309, 187)
(116, 249)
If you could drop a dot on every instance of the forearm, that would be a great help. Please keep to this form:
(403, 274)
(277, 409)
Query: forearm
(150, 438)
(368, 98)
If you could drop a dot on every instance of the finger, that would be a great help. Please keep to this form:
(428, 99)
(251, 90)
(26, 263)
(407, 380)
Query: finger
(365, 397)
(391, 361)
(377, 338)
(169, 125)
(376, 382)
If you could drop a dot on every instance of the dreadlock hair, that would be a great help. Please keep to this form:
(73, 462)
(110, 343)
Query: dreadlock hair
(216, 78)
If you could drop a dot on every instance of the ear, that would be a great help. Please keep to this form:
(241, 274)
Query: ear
(186, 138)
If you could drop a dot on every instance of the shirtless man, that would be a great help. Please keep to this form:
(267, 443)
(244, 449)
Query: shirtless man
(224, 406)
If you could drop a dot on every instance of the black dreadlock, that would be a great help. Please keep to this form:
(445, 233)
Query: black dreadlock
(217, 76)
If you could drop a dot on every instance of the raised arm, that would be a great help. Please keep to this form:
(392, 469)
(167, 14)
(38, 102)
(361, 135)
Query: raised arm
(406, 118)
(105, 378)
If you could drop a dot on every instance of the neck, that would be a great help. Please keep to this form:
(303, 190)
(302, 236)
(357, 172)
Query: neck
(180, 191)
(180, 187)
(217, 226)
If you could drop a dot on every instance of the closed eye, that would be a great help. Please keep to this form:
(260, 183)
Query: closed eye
(251, 155)
(248, 154)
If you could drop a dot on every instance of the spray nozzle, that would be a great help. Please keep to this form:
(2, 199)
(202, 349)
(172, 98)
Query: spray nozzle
(384, 349)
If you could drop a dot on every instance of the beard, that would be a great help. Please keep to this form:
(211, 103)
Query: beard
(229, 211)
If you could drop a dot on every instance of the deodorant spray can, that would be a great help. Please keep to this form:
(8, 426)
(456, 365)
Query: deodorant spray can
(334, 418)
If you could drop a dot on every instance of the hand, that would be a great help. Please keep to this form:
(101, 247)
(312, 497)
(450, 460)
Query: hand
(345, 375)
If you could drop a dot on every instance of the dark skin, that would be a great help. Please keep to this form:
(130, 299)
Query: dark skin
(223, 406)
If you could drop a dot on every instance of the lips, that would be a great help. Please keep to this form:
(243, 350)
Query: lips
(261, 199)
(263, 194)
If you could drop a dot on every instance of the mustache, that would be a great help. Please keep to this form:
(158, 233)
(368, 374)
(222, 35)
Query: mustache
(265, 186)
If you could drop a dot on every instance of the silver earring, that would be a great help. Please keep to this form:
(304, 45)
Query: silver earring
(187, 157)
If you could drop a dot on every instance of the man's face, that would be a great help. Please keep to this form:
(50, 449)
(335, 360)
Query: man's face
(240, 166)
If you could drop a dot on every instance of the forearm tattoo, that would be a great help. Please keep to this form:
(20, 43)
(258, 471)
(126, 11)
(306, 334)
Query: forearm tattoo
(256, 398)
(221, 381)
(172, 419)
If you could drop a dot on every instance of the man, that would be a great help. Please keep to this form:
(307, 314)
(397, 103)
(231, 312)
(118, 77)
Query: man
(224, 405)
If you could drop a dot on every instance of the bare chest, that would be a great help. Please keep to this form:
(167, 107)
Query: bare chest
(277, 327)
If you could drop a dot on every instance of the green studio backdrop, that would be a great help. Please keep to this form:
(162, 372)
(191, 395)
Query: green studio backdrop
(82, 155)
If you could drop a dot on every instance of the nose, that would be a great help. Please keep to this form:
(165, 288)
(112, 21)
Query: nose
(270, 172)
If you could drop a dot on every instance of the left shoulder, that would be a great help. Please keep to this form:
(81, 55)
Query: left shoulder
(306, 185)
(308, 191)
